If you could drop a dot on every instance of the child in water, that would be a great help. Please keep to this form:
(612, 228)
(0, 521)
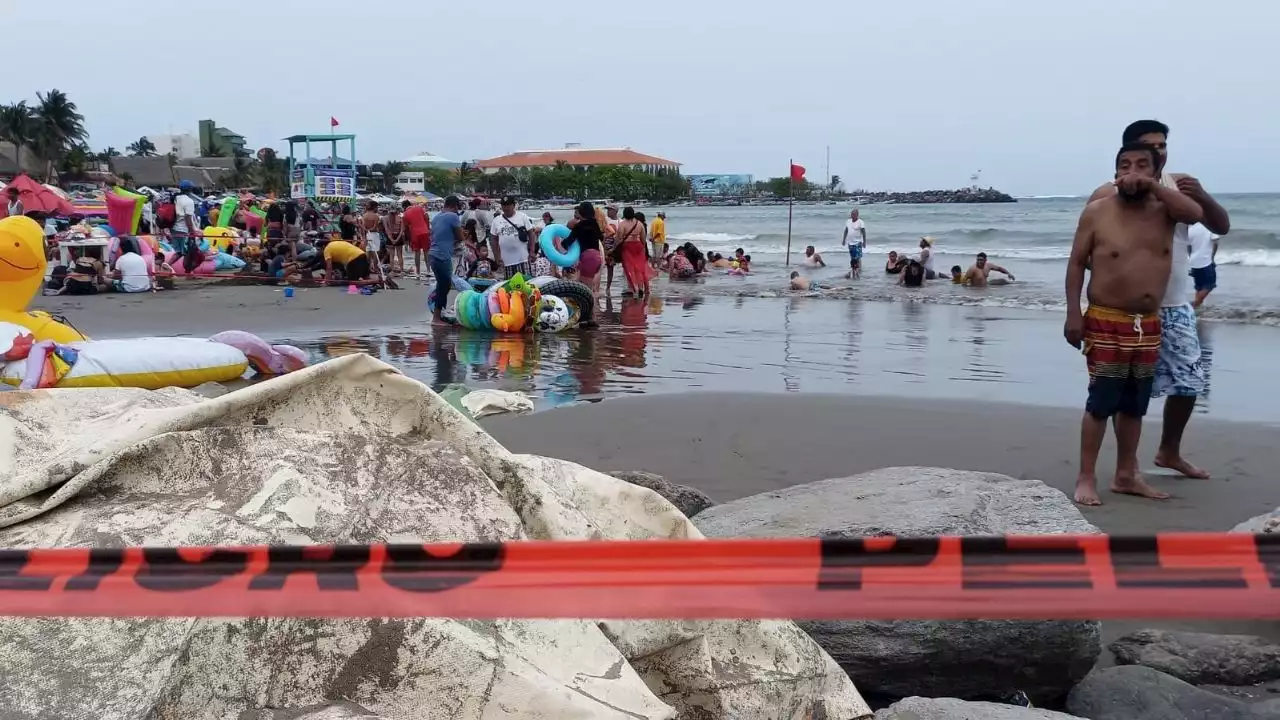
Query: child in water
(957, 275)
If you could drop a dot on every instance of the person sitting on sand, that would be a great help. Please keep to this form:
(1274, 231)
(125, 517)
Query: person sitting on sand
(1125, 242)
(895, 263)
(813, 258)
(978, 274)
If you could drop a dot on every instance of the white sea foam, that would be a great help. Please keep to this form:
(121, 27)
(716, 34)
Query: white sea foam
(711, 237)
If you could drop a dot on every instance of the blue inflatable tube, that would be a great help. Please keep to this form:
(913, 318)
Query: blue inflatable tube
(547, 241)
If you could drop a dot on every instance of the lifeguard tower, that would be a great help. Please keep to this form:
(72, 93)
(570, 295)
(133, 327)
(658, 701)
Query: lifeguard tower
(331, 179)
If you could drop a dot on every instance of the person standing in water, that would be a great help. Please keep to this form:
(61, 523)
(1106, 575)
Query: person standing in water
(1179, 371)
(658, 238)
(1204, 268)
(855, 236)
(1125, 242)
(446, 234)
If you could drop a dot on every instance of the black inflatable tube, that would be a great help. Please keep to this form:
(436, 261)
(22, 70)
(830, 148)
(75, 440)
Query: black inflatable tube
(577, 292)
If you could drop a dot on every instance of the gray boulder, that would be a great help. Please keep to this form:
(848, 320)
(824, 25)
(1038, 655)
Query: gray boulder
(1201, 658)
(687, 500)
(919, 708)
(1265, 523)
(969, 659)
(1133, 692)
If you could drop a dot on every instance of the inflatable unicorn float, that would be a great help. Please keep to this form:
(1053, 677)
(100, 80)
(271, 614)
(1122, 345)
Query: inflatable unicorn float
(38, 350)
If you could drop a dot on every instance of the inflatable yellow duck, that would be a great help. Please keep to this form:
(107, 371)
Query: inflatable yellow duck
(22, 267)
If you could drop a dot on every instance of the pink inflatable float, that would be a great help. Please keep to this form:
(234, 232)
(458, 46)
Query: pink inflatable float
(205, 268)
(120, 210)
(264, 358)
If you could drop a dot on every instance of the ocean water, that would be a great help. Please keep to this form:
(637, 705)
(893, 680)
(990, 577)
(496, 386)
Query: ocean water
(1032, 238)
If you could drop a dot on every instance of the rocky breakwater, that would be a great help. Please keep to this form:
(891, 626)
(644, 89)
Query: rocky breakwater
(936, 197)
(351, 452)
(968, 660)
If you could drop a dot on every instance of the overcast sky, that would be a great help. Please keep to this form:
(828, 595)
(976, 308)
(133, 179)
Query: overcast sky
(908, 94)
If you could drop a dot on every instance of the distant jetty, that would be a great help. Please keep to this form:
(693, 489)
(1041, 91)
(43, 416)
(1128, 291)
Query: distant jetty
(970, 195)
(963, 196)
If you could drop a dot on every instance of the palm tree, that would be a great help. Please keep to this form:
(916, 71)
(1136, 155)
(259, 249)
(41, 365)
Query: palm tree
(835, 183)
(466, 176)
(16, 126)
(390, 171)
(76, 160)
(59, 126)
(142, 147)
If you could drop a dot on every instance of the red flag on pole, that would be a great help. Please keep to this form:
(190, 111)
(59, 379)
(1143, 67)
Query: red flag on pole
(797, 172)
(333, 122)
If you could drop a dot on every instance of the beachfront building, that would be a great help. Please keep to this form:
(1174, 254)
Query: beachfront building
(183, 145)
(411, 181)
(577, 157)
(219, 141)
(427, 160)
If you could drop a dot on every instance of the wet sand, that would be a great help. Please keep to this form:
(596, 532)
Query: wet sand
(685, 341)
(197, 308)
(734, 445)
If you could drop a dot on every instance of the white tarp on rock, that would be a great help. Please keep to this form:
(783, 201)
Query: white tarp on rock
(351, 452)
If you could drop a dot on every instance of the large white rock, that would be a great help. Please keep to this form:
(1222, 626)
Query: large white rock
(1262, 524)
(971, 659)
(350, 451)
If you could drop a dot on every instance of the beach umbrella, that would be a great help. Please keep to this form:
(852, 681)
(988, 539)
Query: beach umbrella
(38, 198)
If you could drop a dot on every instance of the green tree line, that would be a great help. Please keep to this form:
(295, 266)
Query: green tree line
(563, 181)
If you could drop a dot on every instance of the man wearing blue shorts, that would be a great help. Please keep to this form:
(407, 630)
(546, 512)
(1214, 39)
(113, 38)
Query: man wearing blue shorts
(855, 236)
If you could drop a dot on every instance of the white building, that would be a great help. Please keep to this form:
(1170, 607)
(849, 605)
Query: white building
(183, 145)
(427, 160)
(411, 182)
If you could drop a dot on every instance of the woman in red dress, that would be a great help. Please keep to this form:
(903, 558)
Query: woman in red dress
(633, 239)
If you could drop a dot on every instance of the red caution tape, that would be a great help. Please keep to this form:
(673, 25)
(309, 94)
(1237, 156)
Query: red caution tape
(1023, 577)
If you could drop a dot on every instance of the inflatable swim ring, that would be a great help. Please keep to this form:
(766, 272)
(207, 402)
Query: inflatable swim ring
(552, 315)
(547, 241)
(577, 297)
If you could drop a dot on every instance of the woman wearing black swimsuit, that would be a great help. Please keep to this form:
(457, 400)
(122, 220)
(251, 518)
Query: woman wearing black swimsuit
(347, 224)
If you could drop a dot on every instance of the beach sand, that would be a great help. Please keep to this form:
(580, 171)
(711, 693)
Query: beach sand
(734, 445)
(203, 308)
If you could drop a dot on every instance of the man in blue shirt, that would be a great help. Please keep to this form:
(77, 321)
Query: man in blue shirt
(446, 233)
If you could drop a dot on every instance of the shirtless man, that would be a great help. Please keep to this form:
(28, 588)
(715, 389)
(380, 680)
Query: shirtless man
(1125, 240)
(1179, 373)
(979, 274)
(813, 258)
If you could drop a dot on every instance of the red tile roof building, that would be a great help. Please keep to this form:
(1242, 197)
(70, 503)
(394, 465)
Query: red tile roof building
(577, 157)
